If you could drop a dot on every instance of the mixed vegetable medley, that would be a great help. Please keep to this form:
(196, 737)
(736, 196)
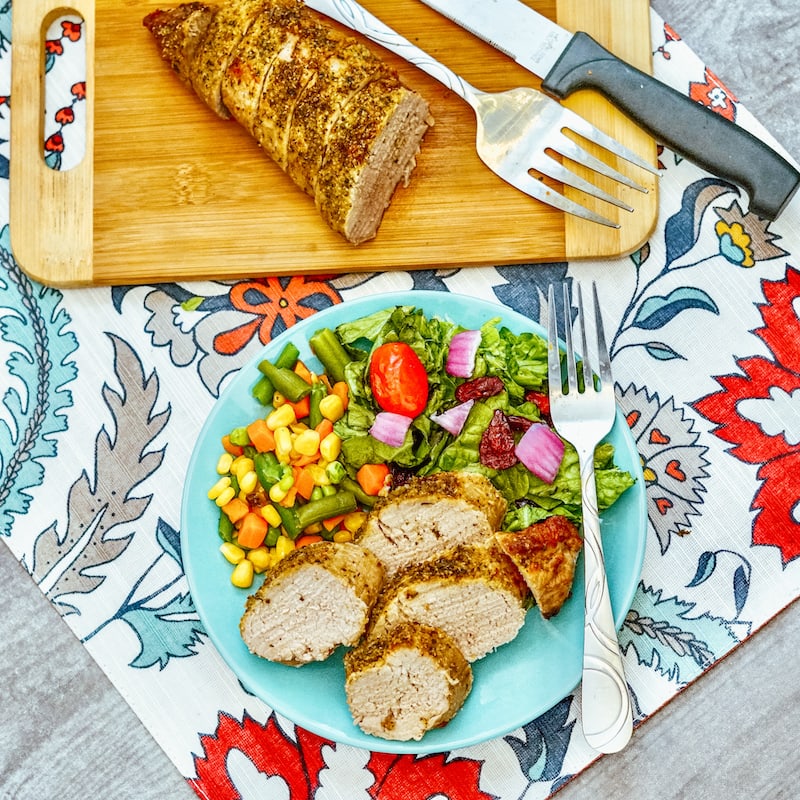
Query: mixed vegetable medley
(400, 394)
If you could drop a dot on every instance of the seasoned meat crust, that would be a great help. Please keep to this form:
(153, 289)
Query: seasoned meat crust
(316, 598)
(545, 554)
(324, 107)
(431, 514)
(405, 682)
(474, 593)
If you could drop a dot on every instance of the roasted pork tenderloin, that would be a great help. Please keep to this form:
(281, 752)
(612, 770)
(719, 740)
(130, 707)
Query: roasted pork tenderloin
(429, 515)
(545, 554)
(324, 107)
(313, 600)
(406, 681)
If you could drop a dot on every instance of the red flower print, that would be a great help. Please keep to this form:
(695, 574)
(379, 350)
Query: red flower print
(54, 47)
(71, 30)
(55, 143)
(409, 777)
(753, 411)
(714, 95)
(79, 90)
(64, 116)
(274, 304)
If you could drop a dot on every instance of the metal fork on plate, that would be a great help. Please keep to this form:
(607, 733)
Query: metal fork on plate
(583, 415)
(516, 128)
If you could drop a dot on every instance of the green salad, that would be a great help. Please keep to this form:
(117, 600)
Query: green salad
(439, 430)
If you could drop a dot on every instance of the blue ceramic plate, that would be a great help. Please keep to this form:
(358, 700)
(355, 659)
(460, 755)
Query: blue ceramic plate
(513, 685)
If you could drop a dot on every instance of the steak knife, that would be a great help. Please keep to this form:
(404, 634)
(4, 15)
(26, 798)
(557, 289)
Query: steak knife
(567, 62)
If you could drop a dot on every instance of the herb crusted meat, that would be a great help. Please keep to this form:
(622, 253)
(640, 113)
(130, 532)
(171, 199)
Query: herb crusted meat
(324, 107)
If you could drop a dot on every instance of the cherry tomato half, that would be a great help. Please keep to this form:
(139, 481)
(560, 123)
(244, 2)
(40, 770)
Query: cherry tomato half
(398, 379)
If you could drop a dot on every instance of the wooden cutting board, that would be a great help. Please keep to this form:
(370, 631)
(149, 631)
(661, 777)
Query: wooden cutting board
(167, 191)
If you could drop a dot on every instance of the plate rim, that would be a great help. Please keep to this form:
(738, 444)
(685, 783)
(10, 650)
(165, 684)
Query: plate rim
(361, 306)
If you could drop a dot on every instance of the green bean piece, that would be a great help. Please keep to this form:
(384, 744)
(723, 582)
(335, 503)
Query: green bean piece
(328, 349)
(225, 527)
(286, 381)
(268, 469)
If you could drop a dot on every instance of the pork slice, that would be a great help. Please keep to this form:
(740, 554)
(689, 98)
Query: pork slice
(429, 515)
(545, 554)
(405, 682)
(474, 593)
(370, 150)
(315, 599)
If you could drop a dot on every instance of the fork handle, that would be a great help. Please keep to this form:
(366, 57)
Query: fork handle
(606, 706)
(354, 16)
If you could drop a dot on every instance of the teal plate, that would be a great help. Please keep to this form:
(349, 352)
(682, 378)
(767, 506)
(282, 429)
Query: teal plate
(513, 685)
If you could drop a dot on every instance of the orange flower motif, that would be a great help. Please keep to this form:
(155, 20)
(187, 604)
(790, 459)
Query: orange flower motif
(65, 116)
(55, 143)
(54, 47)
(714, 95)
(275, 305)
(79, 90)
(71, 30)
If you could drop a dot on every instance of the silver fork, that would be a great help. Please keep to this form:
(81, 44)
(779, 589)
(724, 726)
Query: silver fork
(583, 415)
(516, 128)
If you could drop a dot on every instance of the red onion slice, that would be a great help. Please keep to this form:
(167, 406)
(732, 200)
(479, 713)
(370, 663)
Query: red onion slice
(541, 451)
(461, 354)
(453, 419)
(390, 428)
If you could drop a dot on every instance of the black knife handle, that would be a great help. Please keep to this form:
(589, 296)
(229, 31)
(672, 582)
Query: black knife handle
(688, 128)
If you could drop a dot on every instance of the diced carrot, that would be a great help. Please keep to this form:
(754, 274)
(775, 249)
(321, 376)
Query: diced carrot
(261, 436)
(301, 407)
(252, 531)
(303, 482)
(372, 478)
(303, 371)
(327, 381)
(340, 388)
(290, 499)
(307, 538)
(324, 428)
(333, 522)
(236, 509)
(233, 449)
(304, 461)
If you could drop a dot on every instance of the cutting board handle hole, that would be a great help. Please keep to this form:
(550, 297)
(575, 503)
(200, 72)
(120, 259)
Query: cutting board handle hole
(64, 113)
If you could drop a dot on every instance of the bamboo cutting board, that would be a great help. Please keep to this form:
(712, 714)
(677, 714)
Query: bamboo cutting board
(167, 191)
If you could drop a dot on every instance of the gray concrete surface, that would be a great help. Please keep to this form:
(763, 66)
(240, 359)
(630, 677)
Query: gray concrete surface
(66, 733)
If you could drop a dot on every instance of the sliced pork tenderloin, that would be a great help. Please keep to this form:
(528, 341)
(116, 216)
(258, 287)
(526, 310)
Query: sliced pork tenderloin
(316, 598)
(474, 593)
(545, 554)
(429, 515)
(407, 681)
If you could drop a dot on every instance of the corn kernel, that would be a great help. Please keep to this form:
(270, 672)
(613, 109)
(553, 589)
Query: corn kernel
(354, 520)
(307, 443)
(281, 417)
(219, 487)
(225, 496)
(224, 464)
(261, 559)
(248, 481)
(232, 552)
(330, 447)
(283, 443)
(342, 535)
(316, 527)
(331, 407)
(298, 428)
(271, 515)
(242, 465)
(277, 493)
(283, 546)
(242, 575)
(277, 399)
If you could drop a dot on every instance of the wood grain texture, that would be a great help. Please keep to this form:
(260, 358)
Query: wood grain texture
(170, 192)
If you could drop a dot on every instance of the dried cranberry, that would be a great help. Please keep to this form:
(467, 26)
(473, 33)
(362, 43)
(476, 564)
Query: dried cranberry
(496, 448)
(478, 388)
(518, 424)
(541, 401)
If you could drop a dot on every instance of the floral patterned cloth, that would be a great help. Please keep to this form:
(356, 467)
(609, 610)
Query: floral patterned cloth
(105, 390)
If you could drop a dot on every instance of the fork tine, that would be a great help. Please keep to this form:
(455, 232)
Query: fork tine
(547, 165)
(572, 373)
(604, 361)
(553, 351)
(564, 146)
(588, 377)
